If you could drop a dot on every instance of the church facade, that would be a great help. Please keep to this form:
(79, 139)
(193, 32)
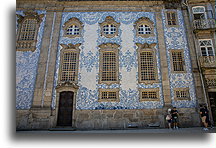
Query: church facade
(112, 64)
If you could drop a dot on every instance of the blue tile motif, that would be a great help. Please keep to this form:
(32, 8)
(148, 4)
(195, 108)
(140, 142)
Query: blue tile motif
(26, 69)
(175, 38)
(87, 98)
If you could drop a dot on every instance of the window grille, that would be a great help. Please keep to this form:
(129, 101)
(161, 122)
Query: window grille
(73, 30)
(144, 29)
(28, 30)
(109, 29)
(147, 69)
(109, 66)
(171, 18)
(69, 65)
(178, 63)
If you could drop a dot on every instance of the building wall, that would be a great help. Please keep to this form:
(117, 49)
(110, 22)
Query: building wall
(89, 113)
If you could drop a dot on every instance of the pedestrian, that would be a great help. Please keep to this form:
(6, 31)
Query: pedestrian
(169, 118)
(174, 114)
(204, 114)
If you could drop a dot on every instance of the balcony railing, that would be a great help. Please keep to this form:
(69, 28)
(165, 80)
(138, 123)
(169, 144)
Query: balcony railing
(204, 24)
(207, 62)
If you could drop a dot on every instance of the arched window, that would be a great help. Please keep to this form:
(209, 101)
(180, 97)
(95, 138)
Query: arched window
(73, 28)
(144, 27)
(109, 28)
(28, 26)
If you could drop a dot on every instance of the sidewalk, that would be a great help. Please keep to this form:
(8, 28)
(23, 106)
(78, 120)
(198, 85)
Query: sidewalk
(132, 130)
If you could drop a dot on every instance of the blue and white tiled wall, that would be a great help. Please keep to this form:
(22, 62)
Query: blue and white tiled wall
(88, 76)
(87, 96)
(26, 69)
(175, 38)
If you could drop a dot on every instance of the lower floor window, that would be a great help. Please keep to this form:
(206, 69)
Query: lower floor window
(182, 94)
(108, 95)
(149, 94)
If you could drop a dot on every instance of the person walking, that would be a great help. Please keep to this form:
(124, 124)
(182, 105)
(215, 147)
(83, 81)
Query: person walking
(204, 116)
(174, 114)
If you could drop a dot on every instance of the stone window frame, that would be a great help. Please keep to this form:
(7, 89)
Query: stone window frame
(28, 45)
(212, 46)
(147, 48)
(171, 60)
(109, 20)
(204, 12)
(144, 21)
(116, 90)
(108, 47)
(65, 49)
(176, 98)
(141, 90)
(176, 19)
(70, 22)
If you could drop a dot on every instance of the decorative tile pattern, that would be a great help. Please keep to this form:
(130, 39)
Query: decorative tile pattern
(87, 96)
(26, 70)
(175, 38)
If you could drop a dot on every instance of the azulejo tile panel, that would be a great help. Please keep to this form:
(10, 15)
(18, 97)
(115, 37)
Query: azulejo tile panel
(26, 69)
(175, 38)
(87, 98)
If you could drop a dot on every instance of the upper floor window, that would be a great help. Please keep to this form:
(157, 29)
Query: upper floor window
(28, 29)
(28, 26)
(206, 47)
(199, 12)
(178, 64)
(147, 63)
(73, 28)
(69, 63)
(109, 28)
(172, 19)
(144, 27)
(109, 63)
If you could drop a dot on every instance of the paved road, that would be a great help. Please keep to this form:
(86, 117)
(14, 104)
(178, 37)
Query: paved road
(134, 131)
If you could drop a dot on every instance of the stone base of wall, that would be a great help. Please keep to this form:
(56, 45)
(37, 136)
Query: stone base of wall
(33, 119)
(122, 119)
(106, 119)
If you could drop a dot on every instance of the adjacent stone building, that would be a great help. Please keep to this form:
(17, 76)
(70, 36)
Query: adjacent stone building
(113, 64)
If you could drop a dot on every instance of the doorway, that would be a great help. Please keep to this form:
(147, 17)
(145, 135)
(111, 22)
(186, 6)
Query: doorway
(212, 100)
(65, 109)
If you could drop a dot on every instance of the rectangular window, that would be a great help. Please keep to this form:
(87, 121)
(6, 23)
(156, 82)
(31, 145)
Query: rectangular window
(182, 94)
(69, 65)
(171, 18)
(28, 30)
(177, 60)
(109, 66)
(108, 95)
(147, 66)
(206, 47)
(149, 94)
